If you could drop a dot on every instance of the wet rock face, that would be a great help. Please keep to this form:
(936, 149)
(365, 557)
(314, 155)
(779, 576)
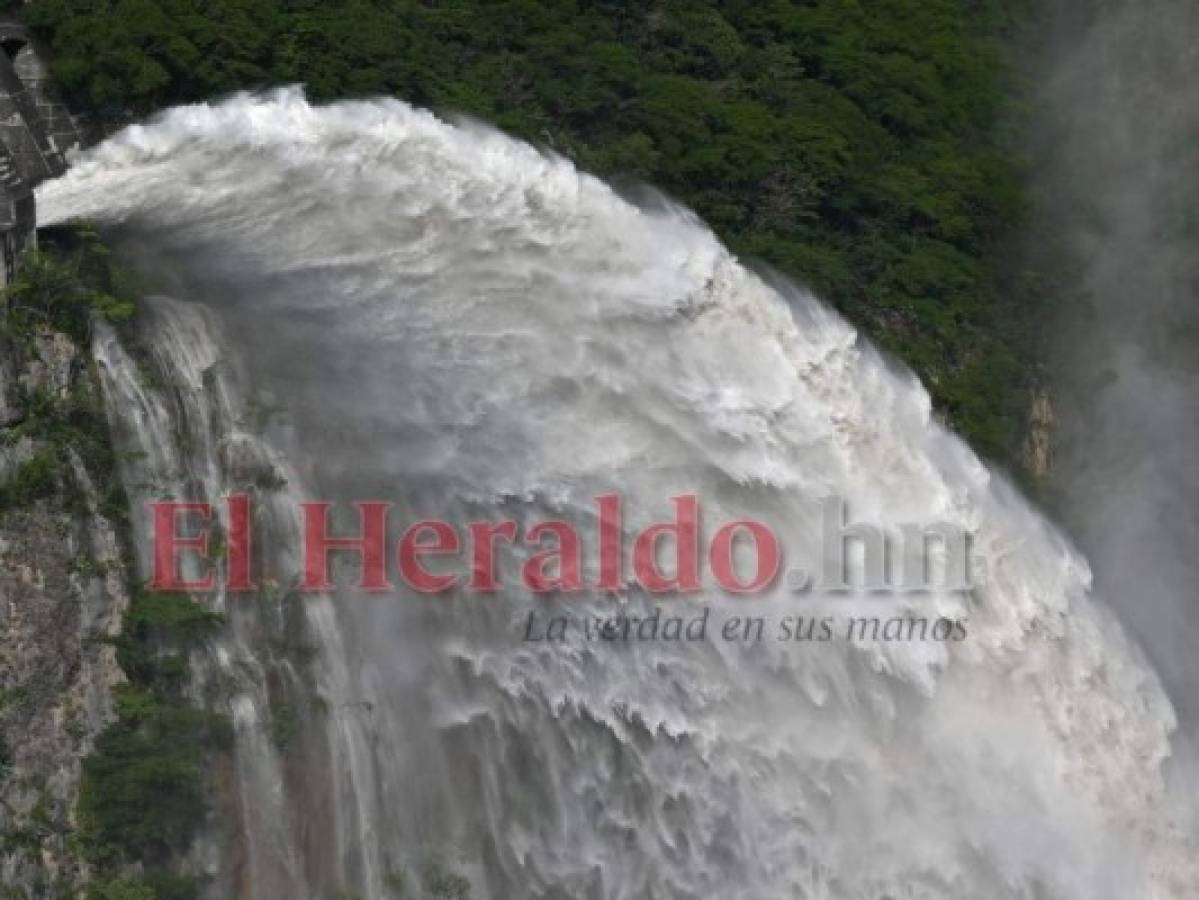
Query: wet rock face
(1038, 444)
(10, 406)
(62, 590)
(15, 456)
(51, 365)
(46, 364)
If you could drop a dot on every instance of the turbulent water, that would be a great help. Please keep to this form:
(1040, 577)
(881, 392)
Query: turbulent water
(366, 302)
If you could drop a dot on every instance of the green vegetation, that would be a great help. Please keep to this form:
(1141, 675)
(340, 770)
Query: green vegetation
(396, 883)
(852, 145)
(158, 630)
(65, 287)
(284, 725)
(34, 480)
(443, 884)
(154, 887)
(144, 786)
(436, 883)
(121, 889)
(142, 794)
(72, 425)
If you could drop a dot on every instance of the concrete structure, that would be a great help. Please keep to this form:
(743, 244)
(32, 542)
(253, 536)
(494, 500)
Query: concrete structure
(36, 131)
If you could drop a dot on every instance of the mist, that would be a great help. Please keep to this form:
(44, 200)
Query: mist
(1118, 180)
(443, 316)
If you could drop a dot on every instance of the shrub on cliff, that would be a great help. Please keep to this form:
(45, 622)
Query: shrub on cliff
(64, 287)
(144, 787)
(142, 795)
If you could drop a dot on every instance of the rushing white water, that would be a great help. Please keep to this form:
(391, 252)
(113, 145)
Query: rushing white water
(444, 317)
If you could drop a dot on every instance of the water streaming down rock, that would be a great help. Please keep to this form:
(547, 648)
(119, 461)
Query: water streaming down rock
(374, 303)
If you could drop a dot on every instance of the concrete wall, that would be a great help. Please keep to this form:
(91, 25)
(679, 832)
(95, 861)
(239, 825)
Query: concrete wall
(36, 132)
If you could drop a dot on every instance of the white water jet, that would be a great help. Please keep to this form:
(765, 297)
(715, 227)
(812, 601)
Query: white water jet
(448, 318)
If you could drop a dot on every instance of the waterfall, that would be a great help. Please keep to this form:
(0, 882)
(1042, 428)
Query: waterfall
(361, 301)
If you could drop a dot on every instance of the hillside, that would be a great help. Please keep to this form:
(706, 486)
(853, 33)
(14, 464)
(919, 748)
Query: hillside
(858, 148)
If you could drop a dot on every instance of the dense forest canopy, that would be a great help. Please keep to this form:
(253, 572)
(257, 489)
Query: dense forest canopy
(856, 146)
